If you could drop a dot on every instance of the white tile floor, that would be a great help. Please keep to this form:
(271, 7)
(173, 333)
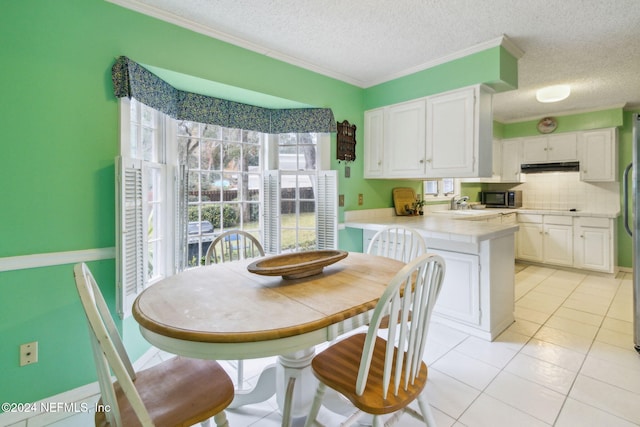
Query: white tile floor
(567, 361)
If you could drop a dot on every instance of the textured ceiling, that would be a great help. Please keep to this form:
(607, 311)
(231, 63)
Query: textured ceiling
(592, 45)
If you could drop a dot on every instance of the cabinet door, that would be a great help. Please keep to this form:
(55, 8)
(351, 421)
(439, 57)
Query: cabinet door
(460, 294)
(373, 143)
(562, 147)
(529, 242)
(534, 150)
(450, 134)
(404, 150)
(598, 155)
(558, 244)
(496, 159)
(511, 152)
(593, 249)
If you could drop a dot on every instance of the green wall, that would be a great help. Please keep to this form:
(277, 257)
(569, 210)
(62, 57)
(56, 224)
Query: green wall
(60, 122)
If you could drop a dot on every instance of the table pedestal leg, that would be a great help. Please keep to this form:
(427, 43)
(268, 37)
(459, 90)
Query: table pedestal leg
(296, 366)
(263, 390)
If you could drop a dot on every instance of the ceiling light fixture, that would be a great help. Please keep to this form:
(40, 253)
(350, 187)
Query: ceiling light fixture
(553, 93)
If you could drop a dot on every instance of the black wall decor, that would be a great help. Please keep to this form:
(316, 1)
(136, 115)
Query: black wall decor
(346, 138)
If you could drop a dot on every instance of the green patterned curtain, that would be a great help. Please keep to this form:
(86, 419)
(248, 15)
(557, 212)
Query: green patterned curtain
(132, 80)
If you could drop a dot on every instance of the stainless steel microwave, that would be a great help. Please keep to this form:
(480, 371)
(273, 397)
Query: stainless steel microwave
(502, 199)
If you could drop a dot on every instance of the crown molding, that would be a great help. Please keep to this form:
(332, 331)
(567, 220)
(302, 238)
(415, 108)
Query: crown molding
(154, 12)
(503, 41)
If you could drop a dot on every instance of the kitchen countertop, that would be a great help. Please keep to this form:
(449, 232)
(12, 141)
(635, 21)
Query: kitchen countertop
(436, 226)
(460, 226)
(569, 213)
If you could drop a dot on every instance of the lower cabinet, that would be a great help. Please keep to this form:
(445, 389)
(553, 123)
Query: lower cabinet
(477, 294)
(593, 244)
(580, 242)
(557, 242)
(460, 294)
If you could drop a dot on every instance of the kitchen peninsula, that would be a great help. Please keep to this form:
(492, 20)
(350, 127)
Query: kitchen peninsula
(477, 295)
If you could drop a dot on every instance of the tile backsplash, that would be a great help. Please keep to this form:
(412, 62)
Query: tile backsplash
(564, 191)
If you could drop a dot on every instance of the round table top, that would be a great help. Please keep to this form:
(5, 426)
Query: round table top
(225, 303)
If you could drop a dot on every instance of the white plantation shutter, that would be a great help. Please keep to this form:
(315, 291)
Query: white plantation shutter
(271, 211)
(327, 210)
(182, 217)
(130, 232)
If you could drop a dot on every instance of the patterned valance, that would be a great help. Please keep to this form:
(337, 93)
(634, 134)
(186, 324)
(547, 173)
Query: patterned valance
(132, 80)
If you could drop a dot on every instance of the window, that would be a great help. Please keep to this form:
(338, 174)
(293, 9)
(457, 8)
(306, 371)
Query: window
(297, 154)
(223, 174)
(143, 202)
(182, 183)
(439, 189)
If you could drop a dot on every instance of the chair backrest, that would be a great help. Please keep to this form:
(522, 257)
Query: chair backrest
(408, 301)
(233, 245)
(108, 351)
(400, 243)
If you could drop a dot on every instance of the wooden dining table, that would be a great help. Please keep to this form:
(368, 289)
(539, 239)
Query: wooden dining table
(225, 312)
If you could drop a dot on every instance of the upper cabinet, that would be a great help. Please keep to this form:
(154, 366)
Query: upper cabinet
(445, 135)
(511, 159)
(595, 150)
(562, 147)
(599, 155)
(405, 131)
(373, 138)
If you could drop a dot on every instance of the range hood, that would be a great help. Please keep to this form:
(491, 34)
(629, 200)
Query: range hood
(550, 167)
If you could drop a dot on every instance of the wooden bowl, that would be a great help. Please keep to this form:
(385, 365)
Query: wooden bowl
(296, 265)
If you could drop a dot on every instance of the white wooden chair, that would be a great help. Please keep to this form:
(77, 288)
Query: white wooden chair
(376, 375)
(400, 243)
(230, 246)
(233, 245)
(177, 392)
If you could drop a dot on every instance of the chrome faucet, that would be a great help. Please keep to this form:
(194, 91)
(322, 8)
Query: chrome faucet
(458, 202)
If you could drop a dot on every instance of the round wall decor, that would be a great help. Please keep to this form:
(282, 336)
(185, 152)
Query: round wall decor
(547, 125)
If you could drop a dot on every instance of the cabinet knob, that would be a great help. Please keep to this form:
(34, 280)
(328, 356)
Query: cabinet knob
(545, 148)
(421, 160)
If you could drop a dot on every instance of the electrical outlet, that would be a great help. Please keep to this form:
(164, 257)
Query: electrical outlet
(360, 199)
(29, 353)
(341, 200)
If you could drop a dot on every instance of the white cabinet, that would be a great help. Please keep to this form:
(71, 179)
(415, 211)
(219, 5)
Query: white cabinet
(598, 153)
(545, 238)
(448, 135)
(373, 143)
(580, 242)
(459, 133)
(561, 147)
(529, 239)
(404, 141)
(511, 155)
(459, 297)
(557, 241)
(593, 243)
(496, 162)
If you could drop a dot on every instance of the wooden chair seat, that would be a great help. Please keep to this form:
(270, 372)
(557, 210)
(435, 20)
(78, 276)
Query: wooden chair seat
(382, 377)
(178, 392)
(339, 365)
